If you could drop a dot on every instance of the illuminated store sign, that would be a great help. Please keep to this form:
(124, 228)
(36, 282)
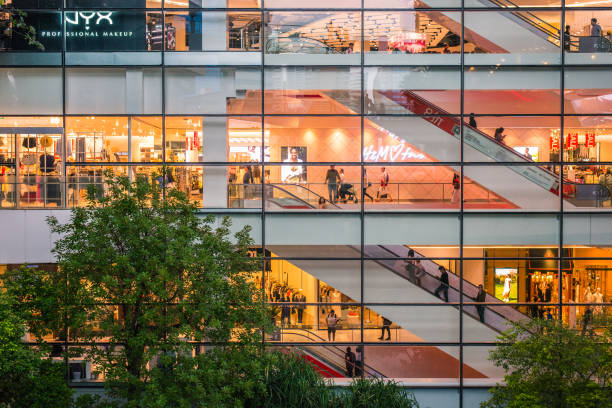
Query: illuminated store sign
(86, 24)
(399, 152)
(92, 30)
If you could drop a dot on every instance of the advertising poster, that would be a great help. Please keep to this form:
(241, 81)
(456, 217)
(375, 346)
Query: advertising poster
(295, 172)
(506, 284)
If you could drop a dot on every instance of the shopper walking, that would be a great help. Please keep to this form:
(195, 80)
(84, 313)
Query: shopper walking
(443, 283)
(383, 193)
(605, 180)
(332, 178)
(386, 325)
(587, 321)
(456, 189)
(481, 297)
(365, 186)
(332, 321)
(349, 362)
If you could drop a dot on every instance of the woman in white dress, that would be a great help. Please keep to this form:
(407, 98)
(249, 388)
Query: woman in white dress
(507, 286)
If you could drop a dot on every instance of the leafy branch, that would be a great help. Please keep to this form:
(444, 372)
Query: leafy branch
(13, 23)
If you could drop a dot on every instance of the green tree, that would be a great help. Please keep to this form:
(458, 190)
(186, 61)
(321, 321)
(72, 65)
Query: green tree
(374, 393)
(27, 379)
(13, 24)
(550, 365)
(144, 273)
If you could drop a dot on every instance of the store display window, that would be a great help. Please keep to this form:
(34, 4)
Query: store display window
(211, 31)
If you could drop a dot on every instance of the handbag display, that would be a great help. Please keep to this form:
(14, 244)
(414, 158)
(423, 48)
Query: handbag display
(28, 159)
(29, 142)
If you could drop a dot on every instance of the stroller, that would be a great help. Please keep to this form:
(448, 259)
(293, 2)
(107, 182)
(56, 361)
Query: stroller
(347, 193)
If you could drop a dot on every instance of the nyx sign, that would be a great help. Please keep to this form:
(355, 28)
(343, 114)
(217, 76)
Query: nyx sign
(94, 31)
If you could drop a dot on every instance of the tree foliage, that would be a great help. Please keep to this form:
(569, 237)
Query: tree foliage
(550, 365)
(17, 25)
(143, 273)
(27, 379)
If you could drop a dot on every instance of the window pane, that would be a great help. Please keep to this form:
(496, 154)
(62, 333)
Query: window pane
(113, 90)
(213, 90)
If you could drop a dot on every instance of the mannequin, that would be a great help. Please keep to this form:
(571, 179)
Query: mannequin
(588, 296)
(598, 298)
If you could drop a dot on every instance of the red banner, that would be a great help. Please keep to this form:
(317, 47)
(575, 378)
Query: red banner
(590, 139)
(571, 141)
(555, 142)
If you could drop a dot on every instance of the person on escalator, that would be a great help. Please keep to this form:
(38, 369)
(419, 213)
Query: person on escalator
(385, 326)
(411, 267)
(349, 362)
(481, 297)
(499, 135)
(419, 271)
(443, 284)
(472, 121)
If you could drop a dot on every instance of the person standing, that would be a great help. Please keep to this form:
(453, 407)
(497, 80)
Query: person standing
(567, 39)
(349, 362)
(443, 283)
(247, 178)
(472, 121)
(332, 322)
(386, 325)
(358, 361)
(595, 28)
(481, 297)
(285, 311)
(366, 185)
(411, 267)
(299, 298)
(332, 178)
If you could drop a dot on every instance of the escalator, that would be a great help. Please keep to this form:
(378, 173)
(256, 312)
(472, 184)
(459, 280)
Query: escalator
(328, 360)
(387, 279)
(521, 183)
(501, 31)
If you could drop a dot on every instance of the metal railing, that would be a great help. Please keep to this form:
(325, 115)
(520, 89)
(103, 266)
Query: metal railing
(331, 354)
(495, 317)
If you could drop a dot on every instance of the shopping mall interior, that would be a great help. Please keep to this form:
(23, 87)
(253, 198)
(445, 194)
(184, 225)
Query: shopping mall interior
(368, 148)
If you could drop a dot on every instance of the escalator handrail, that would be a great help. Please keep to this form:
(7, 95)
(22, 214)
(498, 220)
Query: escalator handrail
(552, 31)
(328, 49)
(489, 298)
(311, 192)
(338, 351)
(489, 138)
(290, 194)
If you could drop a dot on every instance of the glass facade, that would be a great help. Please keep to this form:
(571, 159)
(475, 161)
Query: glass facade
(371, 146)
